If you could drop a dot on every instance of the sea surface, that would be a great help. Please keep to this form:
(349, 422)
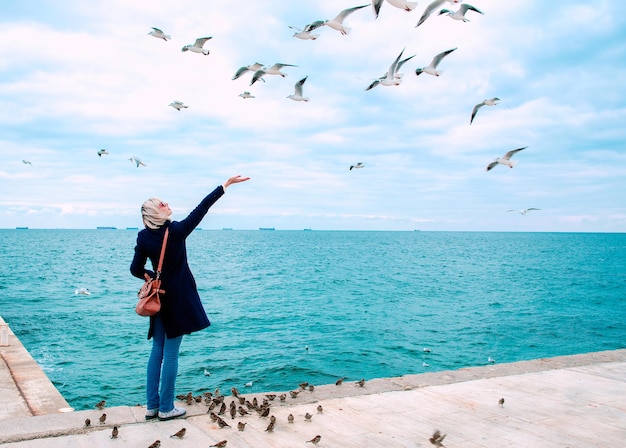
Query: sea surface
(294, 306)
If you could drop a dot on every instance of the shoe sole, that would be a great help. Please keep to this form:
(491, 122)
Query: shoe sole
(163, 419)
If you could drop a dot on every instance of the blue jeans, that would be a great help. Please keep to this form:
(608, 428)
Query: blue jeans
(162, 368)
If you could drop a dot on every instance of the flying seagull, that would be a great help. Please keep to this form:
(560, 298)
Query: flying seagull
(402, 4)
(523, 212)
(178, 105)
(460, 13)
(26, 162)
(505, 159)
(431, 8)
(137, 161)
(246, 94)
(490, 102)
(159, 34)
(297, 94)
(196, 47)
(304, 34)
(432, 68)
(392, 77)
(337, 22)
(102, 152)
(247, 68)
(273, 70)
(358, 165)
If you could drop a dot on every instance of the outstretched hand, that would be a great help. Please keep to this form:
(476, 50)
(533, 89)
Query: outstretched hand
(235, 180)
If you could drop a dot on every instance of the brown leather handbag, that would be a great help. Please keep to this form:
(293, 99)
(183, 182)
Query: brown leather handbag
(149, 295)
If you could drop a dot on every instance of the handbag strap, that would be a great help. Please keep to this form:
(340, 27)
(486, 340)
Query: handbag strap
(158, 274)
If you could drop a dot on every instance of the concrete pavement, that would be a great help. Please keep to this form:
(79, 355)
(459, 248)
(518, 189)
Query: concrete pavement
(569, 401)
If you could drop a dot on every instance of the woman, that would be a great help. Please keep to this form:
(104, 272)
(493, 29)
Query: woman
(181, 310)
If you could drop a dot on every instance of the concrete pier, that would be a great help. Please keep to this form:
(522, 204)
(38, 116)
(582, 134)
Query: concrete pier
(570, 401)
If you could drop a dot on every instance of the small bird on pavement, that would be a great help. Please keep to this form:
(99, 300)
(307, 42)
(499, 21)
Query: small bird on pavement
(222, 423)
(437, 439)
(241, 426)
(294, 393)
(114, 433)
(361, 382)
(87, 423)
(501, 402)
(339, 382)
(102, 419)
(270, 427)
(307, 417)
(315, 440)
(234, 392)
(101, 404)
(180, 433)
(320, 409)
(290, 418)
(156, 444)
(221, 444)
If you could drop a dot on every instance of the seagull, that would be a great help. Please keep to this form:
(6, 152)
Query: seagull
(102, 152)
(196, 47)
(159, 34)
(431, 8)
(490, 360)
(358, 165)
(178, 105)
(505, 159)
(273, 70)
(305, 34)
(487, 102)
(137, 161)
(392, 77)
(26, 162)
(397, 76)
(82, 291)
(248, 384)
(432, 68)
(246, 94)
(247, 68)
(523, 212)
(206, 372)
(460, 14)
(402, 4)
(425, 364)
(337, 22)
(297, 94)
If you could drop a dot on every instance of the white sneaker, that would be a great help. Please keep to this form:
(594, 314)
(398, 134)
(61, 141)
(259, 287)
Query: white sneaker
(152, 413)
(174, 413)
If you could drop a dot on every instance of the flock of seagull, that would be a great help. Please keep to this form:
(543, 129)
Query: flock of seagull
(392, 77)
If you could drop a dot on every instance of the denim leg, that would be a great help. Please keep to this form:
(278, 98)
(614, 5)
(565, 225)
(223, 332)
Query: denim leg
(169, 372)
(154, 365)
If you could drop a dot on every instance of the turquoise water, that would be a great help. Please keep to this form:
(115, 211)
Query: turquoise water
(294, 306)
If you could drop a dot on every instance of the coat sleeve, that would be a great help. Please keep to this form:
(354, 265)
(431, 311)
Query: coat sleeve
(194, 218)
(137, 266)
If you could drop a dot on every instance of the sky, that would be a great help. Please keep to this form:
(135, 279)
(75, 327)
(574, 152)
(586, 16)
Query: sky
(77, 77)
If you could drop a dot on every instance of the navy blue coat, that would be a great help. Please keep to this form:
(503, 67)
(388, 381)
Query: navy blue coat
(181, 309)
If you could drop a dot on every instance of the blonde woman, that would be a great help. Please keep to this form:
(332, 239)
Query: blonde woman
(181, 309)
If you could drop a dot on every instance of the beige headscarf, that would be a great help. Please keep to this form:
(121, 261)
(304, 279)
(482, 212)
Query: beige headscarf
(153, 215)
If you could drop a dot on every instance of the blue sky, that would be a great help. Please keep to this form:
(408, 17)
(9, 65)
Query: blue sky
(79, 76)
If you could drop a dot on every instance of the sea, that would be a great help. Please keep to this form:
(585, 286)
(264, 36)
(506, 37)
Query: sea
(291, 306)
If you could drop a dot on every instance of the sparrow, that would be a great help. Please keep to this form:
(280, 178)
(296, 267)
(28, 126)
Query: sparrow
(114, 433)
(311, 388)
(221, 444)
(501, 402)
(340, 381)
(102, 152)
(234, 392)
(156, 444)
(241, 426)
(290, 418)
(315, 440)
(101, 404)
(214, 416)
(294, 393)
(271, 397)
(270, 427)
(242, 411)
(437, 439)
(222, 423)
(265, 412)
(233, 412)
(87, 423)
(222, 410)
(304, 385)
(320, 409)
(282, 397)
(180, 433)
(361, 382)
(308, 417)
(102, 419)
(272, 418)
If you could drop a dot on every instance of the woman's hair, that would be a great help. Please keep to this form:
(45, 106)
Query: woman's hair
(153, 215)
